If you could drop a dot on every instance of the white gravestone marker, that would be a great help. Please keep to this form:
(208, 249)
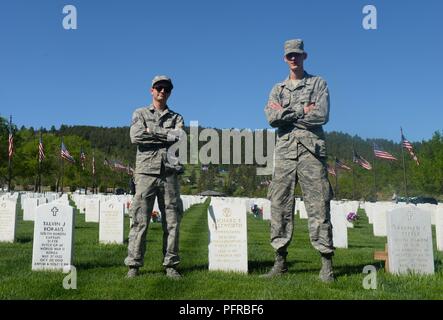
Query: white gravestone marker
(302, 209)
(29, 209)
(379, 219)
(111, 222)
(8, 220)
(439, 227)
(265, 206)
(339, 228)
(410, 241)
(92, 210)
(53, 237)
(228, 241)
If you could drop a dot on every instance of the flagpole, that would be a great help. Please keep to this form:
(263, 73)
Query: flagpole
(336, 179)
(10, 156)
(404, 166)
(353, 175)
(39, 165)
(373, 167)
(94, 179)
(62, 169)
(37, 168)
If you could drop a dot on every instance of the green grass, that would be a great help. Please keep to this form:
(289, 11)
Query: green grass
(100, 268)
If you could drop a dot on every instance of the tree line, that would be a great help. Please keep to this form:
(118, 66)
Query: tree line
(233, 180)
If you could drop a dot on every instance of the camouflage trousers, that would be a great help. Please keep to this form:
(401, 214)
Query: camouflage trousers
(311, 172)
(166, 189)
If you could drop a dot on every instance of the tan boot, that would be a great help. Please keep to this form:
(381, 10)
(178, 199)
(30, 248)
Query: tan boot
(132, 273)
(172, 273)
(326, 273)
(280, 267)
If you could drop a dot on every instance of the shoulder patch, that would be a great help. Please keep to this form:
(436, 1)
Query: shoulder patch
(135, 119)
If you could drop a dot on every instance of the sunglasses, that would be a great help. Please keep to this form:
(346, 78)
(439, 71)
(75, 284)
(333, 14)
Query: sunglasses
(160, 88)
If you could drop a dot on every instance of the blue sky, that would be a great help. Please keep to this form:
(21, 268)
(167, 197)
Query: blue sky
(223, 57)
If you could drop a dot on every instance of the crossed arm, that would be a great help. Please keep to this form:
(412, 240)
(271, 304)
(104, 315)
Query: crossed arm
(147, 132)
(302, 114)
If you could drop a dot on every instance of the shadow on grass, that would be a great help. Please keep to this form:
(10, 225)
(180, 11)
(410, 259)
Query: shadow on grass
(350, 270)
(259, 266)
(201, 267)
(24, 239)
(88, 265)
(374, 246)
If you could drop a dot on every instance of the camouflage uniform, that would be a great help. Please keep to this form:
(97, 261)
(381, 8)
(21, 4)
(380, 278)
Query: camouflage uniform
(300, 156)
(155, 177)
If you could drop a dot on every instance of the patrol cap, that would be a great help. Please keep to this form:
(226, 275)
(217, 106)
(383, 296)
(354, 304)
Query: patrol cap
(294, 45)
(162, 78)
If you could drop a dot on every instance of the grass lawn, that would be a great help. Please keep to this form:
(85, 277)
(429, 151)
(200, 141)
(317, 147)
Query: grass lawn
(100, 268)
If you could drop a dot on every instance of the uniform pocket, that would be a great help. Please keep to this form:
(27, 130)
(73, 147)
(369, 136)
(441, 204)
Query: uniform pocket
(168, 124)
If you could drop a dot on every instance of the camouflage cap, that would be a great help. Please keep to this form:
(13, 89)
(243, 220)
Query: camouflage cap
(295, 45)
(162, 78)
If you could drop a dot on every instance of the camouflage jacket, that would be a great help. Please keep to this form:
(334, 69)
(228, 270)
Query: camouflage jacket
(293, 125)
(152, 144)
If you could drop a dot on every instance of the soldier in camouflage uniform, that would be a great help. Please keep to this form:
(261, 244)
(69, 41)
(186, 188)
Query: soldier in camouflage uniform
(298, 107)
(154, 129)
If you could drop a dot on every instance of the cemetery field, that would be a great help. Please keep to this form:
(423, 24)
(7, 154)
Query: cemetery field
(101, 272)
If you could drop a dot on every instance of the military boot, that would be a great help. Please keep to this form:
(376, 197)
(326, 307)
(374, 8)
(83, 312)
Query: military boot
(172, 273)
(326, 273)
(280, 267)
(132, 273)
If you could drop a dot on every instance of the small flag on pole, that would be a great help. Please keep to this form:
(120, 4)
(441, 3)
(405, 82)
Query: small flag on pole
(380, 153)
(408, 146)
(41, 150)
(341, 165)
(331, 170)
(64, 153)
(10, 143)
(362, 162)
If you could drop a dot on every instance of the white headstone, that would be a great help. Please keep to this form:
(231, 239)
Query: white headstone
(92, 210)
(111, 222)
(265, 206)
(432, 208)
(53, 237)
(439, 227)
(228, 241)
(8, 220)
(302, 209)
(410, 241)
(379, 219)
(29, 209)
(339, 228)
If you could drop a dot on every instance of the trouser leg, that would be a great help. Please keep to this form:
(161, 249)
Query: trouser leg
(141, 214)
(317, 193)
(169, 194)
(281, 194)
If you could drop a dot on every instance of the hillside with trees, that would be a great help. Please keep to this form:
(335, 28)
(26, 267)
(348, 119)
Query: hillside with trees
(233, 180)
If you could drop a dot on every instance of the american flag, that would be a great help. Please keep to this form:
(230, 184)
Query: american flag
(82, 158)
(331, 170)
(11, 144)
(341, 165)
(408, 146)
(362, 162)
(41, 150)
(117, 165)
(64, 153)
(379, 153)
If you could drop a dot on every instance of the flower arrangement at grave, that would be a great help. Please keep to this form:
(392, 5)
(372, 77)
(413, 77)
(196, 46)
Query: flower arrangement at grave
(155, 216)
(352, 217)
